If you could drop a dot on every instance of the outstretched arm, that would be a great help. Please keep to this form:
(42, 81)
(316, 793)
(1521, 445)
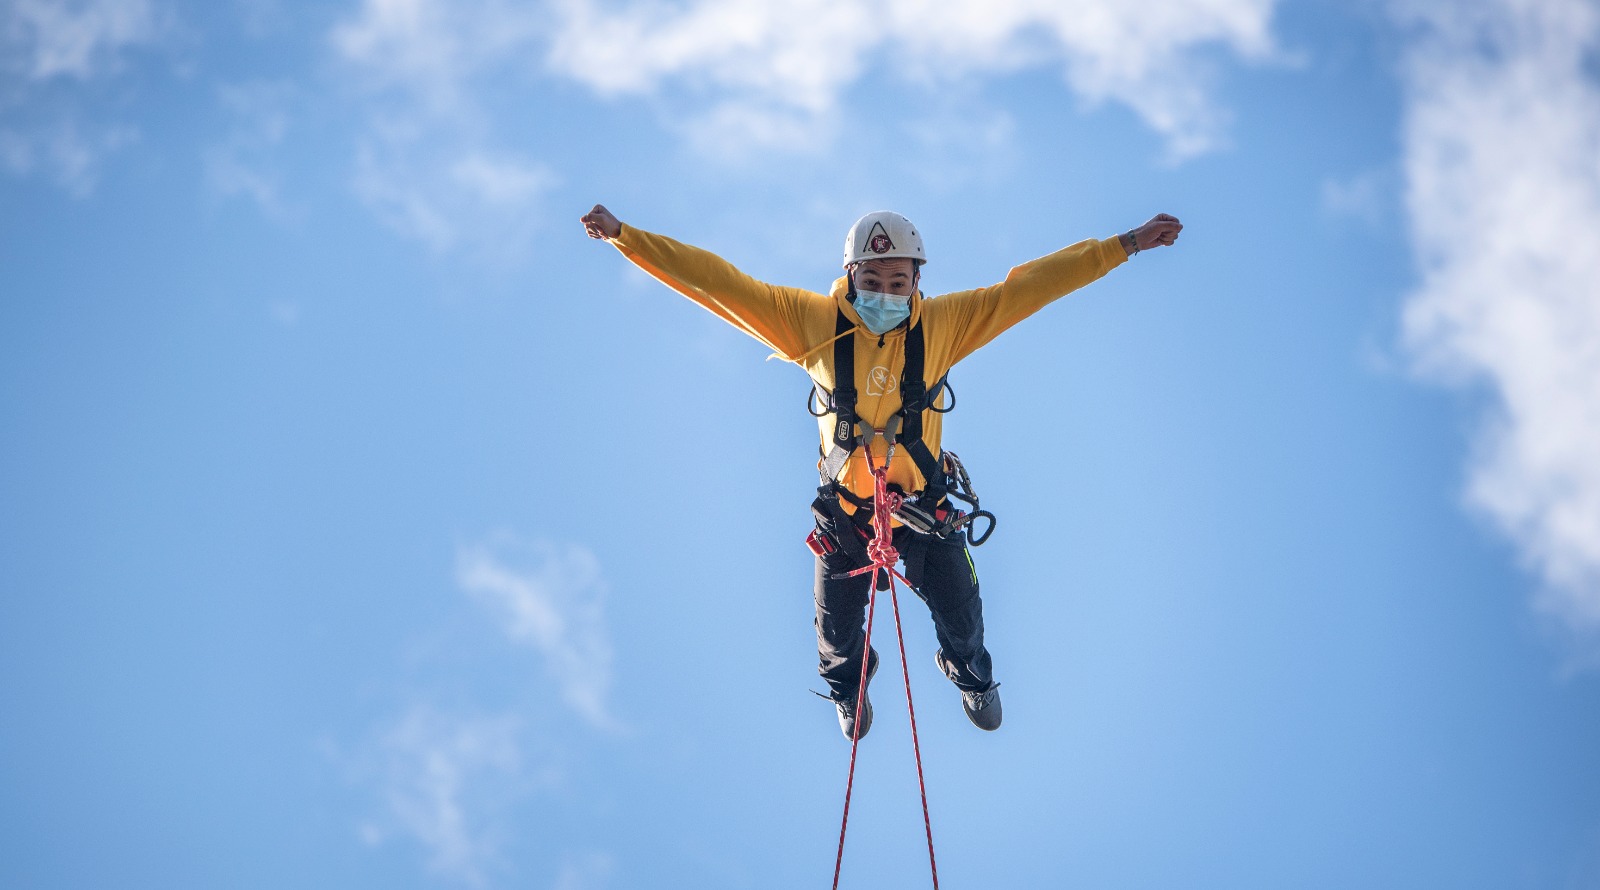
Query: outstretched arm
(982, 314)
(774, 315)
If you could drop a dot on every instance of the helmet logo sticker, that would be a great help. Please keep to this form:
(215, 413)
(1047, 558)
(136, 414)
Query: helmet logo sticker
(881, 381)
(878, 240)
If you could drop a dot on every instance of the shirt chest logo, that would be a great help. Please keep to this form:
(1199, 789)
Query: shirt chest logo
(881, 381)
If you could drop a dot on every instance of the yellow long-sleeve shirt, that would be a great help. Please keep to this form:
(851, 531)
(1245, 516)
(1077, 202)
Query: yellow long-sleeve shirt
(798, 325)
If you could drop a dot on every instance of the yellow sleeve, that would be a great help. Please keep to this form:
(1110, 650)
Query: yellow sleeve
(977, 316)
(773, 315)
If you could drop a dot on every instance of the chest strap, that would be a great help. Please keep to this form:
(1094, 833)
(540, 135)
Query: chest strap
(904, 426)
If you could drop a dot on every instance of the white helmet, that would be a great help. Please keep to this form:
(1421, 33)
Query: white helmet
(882, 235)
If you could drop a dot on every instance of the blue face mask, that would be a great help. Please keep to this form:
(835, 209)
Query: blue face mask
(882, 313)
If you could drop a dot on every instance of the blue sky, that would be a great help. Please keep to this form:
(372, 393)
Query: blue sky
(362, 524)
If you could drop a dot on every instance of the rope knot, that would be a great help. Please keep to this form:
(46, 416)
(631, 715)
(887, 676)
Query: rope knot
(885, 502)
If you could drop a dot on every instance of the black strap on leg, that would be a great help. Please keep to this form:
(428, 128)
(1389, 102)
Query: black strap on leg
(915, 556)
(842, 527)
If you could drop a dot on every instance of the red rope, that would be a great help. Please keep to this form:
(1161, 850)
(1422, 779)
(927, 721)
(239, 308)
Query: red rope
(883, 554)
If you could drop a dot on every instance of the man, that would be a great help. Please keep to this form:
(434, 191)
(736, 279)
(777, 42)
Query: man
(895, 347)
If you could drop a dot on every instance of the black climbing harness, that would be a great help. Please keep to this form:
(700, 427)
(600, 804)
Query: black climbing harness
(929, 513)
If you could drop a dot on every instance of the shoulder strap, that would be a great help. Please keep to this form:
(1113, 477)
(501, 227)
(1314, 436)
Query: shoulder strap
(842, 400)
(913, 401)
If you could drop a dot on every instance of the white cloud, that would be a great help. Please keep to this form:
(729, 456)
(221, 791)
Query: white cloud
(551, 597)
(733, 130)
(457, 781)
(773, 58)
(241, 164)
(499, 181)
(1502, 159)
(63, 151)
(432, 46)
(751, 74)
(44, 39)
(1365, 196)
(444, 780)
(797, 54)
(53, 57)
(449, 193)
(428, 164)
(405, 42)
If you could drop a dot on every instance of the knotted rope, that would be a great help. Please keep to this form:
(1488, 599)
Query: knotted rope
(882, 552)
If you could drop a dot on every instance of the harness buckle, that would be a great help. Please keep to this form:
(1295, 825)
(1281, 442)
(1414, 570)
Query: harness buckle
(913, 396)
(819, 543)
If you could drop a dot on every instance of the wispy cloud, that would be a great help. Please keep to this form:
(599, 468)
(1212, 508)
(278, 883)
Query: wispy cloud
(433, 47)
(429, 163)
(456, 780)
(45, 39)
(242, 163)
(441, 189)
(1366, 196)
(1502, 161)
(66, 150)
(53, 55)
(745, 75)
(444, 780)
(796, 60)
(550, 597)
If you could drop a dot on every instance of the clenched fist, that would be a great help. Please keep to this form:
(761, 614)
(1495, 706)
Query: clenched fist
(1161, 231)
(599, 223)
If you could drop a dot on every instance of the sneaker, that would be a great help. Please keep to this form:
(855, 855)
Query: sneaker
(982, 707)
(848, 713)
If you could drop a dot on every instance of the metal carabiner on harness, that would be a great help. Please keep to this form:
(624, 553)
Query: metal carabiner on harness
(811, 397)
(919, 520)
(966, 521)
(962, 489)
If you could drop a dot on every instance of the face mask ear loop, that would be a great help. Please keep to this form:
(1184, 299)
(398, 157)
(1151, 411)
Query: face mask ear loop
(850, 280)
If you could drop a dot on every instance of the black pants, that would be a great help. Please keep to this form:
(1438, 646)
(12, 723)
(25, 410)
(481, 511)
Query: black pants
(949, 587)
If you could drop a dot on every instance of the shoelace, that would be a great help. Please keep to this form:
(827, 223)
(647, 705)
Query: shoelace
(977, 701)
(848, 707)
